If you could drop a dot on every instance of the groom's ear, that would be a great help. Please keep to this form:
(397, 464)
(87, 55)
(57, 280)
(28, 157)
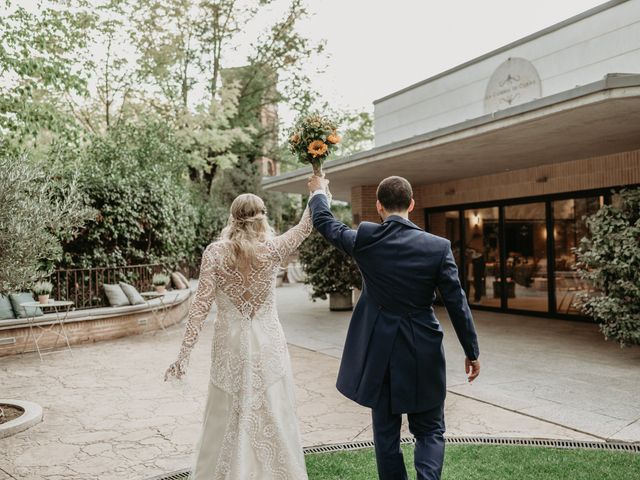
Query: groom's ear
(412, 205)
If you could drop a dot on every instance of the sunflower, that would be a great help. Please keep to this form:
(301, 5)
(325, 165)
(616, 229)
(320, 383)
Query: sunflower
(317, 148)
(333, 138)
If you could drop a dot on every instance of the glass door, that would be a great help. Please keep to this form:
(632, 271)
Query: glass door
(526, 269)
(482, 256)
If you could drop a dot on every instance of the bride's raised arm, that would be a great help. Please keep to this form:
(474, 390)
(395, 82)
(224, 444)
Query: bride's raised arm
(285, 244)
(198, 311)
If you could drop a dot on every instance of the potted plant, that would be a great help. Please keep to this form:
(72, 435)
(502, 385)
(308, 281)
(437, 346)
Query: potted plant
(42, 290)
(160, 281)
(329, 272)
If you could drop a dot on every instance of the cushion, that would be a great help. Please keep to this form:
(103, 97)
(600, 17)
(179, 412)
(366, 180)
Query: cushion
(177, 281)
(6, 310)
(185, 280)
(115, 295)
(132, 293)
(22, 312)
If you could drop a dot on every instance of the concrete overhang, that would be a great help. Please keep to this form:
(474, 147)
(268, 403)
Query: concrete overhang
(591, 120)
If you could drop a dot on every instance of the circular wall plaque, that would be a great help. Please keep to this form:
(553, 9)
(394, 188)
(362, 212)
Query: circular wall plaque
(515, 81)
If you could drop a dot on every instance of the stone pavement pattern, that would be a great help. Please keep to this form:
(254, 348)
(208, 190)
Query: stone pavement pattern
(558, 371)
(108, 414)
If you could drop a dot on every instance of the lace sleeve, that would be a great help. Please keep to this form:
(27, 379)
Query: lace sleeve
(198, 311)
(285, 244)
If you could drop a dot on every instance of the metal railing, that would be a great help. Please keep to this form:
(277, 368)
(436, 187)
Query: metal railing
(83, 286)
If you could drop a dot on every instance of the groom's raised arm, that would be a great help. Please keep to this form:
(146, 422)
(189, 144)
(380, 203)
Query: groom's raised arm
(333, 230)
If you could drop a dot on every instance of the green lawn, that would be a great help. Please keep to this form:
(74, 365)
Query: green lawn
(488, 462)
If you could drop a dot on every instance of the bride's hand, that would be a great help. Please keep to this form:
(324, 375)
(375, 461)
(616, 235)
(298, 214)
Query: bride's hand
(174, 370)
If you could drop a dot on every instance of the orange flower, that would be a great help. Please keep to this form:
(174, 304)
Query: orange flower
(333, 138)
(317, 148)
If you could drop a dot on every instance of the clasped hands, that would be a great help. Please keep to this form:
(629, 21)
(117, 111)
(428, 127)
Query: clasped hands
(318, 183)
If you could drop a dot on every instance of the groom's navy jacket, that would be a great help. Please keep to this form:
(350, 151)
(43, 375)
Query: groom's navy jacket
(393, 323)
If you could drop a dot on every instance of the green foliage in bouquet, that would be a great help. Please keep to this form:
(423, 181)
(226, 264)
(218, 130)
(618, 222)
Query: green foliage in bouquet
(313, 139)
(328, 269)
(609, 259)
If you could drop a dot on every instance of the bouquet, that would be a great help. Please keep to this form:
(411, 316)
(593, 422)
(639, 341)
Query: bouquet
(312, 140)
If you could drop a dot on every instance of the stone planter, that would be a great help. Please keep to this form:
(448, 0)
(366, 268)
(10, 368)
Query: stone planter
(31, 414)
(340, 302)
(44, 299)
(160, 288)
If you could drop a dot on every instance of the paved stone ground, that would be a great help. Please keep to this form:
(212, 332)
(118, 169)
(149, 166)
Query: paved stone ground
(559, 371)
(108, 414)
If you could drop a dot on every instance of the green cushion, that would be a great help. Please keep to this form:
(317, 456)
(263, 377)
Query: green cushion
(22, 312)
(132, 294)
(115, 295)
(6, 310)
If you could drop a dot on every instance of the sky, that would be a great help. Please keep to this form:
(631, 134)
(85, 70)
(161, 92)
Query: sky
(377, 47)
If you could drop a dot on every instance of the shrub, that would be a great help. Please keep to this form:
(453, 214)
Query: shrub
(328, 269)
(609, 259)
(135, 176)
(36, 210)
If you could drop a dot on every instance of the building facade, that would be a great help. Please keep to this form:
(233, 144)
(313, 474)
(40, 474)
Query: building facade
(508, 152)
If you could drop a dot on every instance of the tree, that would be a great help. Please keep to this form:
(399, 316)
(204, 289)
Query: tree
(166, 34)
(111, 62)
(609, 260)
(357, 133)
(39, 68)
(38, 210)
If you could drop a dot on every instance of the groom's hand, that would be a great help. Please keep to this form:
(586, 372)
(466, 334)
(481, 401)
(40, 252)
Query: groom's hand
(472, 367)
(317, 183)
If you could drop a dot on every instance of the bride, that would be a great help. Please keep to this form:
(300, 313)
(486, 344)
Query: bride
(250, 429)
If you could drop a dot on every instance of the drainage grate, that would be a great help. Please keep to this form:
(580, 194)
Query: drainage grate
(179, 475)
(471, 440)
(478, 440)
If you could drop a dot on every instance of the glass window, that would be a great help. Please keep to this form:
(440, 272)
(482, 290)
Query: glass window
(447, 225)
(526, 257)
(568, 228)
(482, 256)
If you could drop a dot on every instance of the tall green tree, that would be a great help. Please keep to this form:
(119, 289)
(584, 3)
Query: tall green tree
(39, 49)
(356, 131)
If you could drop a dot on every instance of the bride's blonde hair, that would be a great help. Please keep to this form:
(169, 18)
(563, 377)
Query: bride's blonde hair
(247, 226)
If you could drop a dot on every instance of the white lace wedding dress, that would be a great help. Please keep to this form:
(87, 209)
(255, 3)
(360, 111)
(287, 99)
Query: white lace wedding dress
(250, 429)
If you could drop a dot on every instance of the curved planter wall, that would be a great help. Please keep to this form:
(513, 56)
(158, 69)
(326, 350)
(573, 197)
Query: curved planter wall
(32, 415)
(94, 325)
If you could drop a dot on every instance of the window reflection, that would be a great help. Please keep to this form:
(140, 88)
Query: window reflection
(447, 225)
(482, 254)
(568, 228)
(524, 246)
(526, 253)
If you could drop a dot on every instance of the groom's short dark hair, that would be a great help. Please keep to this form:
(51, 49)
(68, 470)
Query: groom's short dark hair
(395, 194)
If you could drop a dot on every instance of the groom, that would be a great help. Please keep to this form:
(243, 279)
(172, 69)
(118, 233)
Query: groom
(393, 359)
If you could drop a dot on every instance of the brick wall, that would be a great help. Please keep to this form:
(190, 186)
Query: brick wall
(590, 173)
(363, 204)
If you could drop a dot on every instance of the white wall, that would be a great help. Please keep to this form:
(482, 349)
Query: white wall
(577, 54)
